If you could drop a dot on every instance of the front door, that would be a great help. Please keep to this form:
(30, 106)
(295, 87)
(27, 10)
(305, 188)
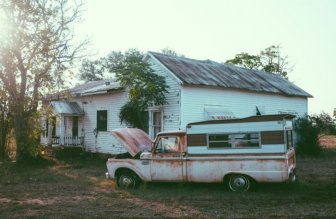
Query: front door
(166, 163)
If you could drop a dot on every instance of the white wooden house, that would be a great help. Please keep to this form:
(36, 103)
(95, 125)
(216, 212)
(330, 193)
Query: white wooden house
(198, 90)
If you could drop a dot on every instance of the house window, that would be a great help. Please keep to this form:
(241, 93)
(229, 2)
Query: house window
(75, 126)
(156, 122)
(102, 120)
(234, 140)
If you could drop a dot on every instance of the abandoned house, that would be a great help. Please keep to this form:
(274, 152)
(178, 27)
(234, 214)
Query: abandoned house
(198, 90)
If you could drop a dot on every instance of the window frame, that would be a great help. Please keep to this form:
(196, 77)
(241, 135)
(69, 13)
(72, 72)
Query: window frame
(158, 140)
(75, 126)
(231, 141)
(99, 126)
(289, 144)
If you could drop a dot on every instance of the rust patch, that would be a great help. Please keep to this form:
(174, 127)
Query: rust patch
(134, 140)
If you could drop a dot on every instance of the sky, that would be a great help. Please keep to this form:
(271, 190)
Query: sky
(220, 29)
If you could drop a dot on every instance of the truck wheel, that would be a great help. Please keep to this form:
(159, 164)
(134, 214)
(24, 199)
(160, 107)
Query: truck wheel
(239, 183)
(128, 180)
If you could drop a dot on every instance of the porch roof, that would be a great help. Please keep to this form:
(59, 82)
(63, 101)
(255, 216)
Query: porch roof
(67, 108)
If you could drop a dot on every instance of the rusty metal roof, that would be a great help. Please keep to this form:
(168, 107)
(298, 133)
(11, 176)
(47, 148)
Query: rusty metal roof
(95, 87)
(211, 73)
(88, 88)
(67, 108)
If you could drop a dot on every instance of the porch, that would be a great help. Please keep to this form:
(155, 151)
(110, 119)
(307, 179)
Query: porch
(67, 141)
(64, 127)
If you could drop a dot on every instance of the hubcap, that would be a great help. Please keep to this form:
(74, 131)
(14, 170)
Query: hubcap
(239, 183)
(126, 181)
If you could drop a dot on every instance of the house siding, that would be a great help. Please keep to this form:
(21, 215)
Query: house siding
(242, 104)
(172, 110)
(103, 141)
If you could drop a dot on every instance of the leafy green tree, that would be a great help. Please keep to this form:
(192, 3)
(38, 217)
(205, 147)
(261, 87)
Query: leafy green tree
(268, 60)
(308, 134)
(91, 70)
(144, 86)
(168, 51)
(36, 49)
(325, 123)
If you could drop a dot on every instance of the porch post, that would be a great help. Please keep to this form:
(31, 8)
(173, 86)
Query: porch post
(62, 130)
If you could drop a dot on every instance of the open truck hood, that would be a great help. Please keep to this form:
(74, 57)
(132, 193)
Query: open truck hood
(134, 140)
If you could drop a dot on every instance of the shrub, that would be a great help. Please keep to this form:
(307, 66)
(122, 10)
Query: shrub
(308, 135)
(325, 123)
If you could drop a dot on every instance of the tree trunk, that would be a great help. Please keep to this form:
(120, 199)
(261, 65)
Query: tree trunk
(3, 133)
(21, 135)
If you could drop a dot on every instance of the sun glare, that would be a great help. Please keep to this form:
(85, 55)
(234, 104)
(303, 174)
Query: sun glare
(2, 29)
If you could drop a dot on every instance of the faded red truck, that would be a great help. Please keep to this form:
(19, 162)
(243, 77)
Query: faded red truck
(236, 152)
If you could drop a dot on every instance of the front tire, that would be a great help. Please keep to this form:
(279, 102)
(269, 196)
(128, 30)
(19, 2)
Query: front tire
(128, 180)
(239, 183)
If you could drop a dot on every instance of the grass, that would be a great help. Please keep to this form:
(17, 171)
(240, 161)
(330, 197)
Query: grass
(73, 186)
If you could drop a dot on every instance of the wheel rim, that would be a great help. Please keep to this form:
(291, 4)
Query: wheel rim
(239, 183)
(126, 181)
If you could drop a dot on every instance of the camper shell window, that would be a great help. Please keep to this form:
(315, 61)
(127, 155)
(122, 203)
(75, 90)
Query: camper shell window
(234, 140)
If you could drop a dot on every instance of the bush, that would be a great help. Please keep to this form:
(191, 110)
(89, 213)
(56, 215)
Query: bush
(308, 136)
(325, 123)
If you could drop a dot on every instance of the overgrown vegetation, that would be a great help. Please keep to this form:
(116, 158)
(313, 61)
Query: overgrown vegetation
(308, 136)
(310, 128)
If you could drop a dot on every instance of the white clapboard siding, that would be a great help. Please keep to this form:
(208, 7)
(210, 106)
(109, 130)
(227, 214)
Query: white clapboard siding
(171, 111)
(104, 142)
(241, 103)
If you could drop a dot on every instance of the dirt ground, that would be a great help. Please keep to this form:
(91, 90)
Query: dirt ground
(75, 187)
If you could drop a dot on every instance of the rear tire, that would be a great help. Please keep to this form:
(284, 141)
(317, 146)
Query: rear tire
(128, 180)
(239, 183)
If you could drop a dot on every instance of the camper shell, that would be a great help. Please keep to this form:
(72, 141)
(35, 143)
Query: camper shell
(235, 151)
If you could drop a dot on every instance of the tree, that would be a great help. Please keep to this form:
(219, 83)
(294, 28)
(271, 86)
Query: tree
(36, 50)
(308, 134)
(325, 123)
(144, 86)
(268, 60)
(168, 51)
(91, 70)
(4, 122)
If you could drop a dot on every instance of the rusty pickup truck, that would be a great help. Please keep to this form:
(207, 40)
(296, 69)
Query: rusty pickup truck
(236, 152)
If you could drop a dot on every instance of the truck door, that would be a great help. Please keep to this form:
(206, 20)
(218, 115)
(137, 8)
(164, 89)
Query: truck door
(166, 163)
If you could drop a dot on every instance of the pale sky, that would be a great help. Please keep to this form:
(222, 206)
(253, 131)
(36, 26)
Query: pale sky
(219, 29)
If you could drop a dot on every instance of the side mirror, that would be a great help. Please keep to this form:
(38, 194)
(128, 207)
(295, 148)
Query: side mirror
(145, 155)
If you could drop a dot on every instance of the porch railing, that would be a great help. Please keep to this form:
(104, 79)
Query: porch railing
(68, 140)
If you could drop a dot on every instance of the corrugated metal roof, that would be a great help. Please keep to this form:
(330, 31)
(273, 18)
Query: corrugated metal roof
(68, 108)
(94, 87)
(210, 73)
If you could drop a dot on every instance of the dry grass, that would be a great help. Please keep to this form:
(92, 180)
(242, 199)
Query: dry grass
(76, 188)
(328, 141)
